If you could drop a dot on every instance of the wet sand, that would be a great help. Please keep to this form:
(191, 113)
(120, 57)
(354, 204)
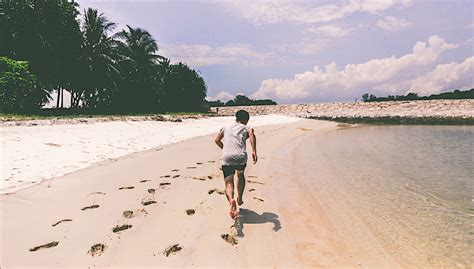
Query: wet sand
(165, 207)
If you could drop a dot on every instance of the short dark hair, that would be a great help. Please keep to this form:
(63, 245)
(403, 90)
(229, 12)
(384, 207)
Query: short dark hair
(242, 115)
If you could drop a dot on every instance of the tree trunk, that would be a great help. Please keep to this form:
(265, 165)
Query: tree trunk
(72, 99)
(59, 96)
(62, 97)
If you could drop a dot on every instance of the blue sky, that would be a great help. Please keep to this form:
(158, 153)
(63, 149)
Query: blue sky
(311, 51)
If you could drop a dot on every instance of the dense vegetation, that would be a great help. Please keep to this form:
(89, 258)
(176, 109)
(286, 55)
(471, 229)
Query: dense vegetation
(20, 90)
(241, 100)
(48, 47)
(456, 94)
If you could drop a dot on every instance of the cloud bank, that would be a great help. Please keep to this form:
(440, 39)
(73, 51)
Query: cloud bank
(269, 12)
(414, 72)
(393, 24)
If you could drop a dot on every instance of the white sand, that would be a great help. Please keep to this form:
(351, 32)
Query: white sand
(31, 154)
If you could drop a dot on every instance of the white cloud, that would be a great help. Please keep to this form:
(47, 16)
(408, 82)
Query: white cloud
(392, 24)
(223, 96)
(382, 75)
(445, 77)
(198, 55)
(329, 30)
(261, 12)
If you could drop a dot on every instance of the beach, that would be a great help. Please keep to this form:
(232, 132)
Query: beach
(36, 150)
(164, 207)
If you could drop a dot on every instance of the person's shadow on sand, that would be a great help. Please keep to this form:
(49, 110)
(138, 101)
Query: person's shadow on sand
(247, 216)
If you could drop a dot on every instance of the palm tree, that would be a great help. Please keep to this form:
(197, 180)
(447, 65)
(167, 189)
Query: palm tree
(99, 59)
(138, 48)
(141, 80)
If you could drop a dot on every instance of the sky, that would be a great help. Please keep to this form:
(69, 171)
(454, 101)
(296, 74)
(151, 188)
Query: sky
(311, 51)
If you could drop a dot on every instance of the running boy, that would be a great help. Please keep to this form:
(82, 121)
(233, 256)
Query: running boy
(234, 156)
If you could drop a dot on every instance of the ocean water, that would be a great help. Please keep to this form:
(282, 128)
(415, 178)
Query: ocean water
(413, 186)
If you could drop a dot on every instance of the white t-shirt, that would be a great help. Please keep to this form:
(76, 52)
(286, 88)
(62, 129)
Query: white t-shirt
(234, 151)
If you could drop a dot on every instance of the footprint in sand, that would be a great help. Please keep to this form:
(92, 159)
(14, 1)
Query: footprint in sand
(209, 177)
(198, 163)
(164, 184)
(165, 176)
(252, 176)
(251, 190)
(229, 239)
(52, 144)
(126, 188)
(145, 203)
(172, 250)
(175, 170)
(97, 249)
(190, 212)
(255, 182)
(211, 161)
(127, 214)
(97, 192)
(151, 191)
(90, 207)
(145, 180)
(191, 167)
(48, 245)
(176, 176)
(216, 190)
(61, 221)
(259, 199)
(120, 228)
(199, 178)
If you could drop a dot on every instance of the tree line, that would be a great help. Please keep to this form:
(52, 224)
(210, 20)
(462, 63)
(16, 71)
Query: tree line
(456, 94)
(47, 47)
(241, 100)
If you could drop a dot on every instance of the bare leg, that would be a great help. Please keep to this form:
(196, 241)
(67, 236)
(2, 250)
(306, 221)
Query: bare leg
(229, 193)
(240, 186)
(229, 187)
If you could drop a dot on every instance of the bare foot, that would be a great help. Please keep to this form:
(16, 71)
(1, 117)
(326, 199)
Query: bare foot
(240, 201)
(233, 209)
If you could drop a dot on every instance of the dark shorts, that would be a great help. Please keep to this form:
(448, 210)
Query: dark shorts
(230, 169)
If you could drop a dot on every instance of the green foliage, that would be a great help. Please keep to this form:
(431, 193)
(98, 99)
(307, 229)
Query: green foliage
(456, 94)
(241, 100)
(20, 90)
(216, 103)
(46, 34)
(98, 62)
(184, 89)
(139, 87)
(104, 73)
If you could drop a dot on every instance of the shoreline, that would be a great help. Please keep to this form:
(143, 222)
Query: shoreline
(174, 195)
(397, 120)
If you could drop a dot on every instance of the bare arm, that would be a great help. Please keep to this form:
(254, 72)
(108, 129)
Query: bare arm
(218, 140)
(253, 143)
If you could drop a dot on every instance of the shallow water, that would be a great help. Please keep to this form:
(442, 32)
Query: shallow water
(412, 185)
